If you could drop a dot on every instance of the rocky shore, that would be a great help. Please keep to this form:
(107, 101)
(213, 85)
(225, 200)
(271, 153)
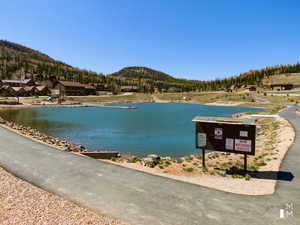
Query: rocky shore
(41, 137)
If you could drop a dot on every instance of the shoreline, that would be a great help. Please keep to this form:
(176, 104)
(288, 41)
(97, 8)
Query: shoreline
(259, 187)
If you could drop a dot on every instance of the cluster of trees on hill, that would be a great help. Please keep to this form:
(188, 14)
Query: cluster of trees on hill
(17, 61)
(253, 77)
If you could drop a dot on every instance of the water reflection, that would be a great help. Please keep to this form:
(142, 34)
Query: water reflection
(163, 129)
(32, 118)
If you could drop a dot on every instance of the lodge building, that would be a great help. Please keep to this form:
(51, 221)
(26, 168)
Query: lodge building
(22, 88)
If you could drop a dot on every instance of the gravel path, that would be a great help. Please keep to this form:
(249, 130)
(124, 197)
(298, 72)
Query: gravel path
(22, 203)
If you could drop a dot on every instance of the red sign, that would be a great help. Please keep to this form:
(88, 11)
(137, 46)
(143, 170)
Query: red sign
(242, 145)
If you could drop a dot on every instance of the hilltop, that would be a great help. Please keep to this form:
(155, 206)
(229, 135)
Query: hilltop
(143, 73)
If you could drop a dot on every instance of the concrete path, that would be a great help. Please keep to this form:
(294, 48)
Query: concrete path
(143, 199)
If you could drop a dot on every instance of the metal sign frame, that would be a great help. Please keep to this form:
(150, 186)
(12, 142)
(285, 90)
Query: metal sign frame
(225, 135)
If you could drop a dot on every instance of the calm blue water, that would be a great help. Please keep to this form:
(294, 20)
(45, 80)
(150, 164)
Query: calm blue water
(162, 128)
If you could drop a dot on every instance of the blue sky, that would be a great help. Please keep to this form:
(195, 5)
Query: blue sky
(193, 39)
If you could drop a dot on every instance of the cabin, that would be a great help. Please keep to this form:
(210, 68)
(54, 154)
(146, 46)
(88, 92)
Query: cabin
(129, 88)
(69, 88)
(17, 91)
(249, 88)
(42, 91)
(30, 90)
(19, 83)
(281, 87)
(4, 91)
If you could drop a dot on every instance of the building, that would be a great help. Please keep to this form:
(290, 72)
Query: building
(68, 88)
(19, 83)
(90, 90)
(4, 91)
(17, 91)
(249, 88)
(30, 90)
(281, 87)
(42, 91)
(129, 88)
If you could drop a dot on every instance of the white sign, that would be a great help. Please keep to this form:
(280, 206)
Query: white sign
(218, 133)
(201, 139)
(229, 144)
(242, 145)
(243, 133)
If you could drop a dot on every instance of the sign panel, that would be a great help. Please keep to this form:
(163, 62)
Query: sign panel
(226, 137)
(229, 143)
(242, 145)
(219, 133)
(243, 133)
(201, 140)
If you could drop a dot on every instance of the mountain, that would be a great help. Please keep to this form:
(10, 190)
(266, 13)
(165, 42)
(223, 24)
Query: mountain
(143, 73)
(18, 61)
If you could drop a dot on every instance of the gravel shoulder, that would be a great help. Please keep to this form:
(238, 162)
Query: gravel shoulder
(24, 204)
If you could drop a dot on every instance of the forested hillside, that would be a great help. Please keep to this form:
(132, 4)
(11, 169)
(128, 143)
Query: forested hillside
(17, 61)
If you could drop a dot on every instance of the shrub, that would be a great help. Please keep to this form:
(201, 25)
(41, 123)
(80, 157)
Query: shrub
(188, 169)
(247, 177)
(150, 164)
(114, 159)
(134, 160)
(179, 161)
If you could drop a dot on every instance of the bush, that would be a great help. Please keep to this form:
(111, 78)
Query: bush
(114, 159)
(247, 177)
(134, 160)
(179, 161)
(188, 169)
(150, 164)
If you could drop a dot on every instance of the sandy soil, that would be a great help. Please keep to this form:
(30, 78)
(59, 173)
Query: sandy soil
(285, 137)
(222, 103)
(24, 204)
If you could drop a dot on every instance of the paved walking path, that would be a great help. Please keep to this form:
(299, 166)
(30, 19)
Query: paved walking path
(144, 199)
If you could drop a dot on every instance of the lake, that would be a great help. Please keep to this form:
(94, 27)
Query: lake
(165, 129)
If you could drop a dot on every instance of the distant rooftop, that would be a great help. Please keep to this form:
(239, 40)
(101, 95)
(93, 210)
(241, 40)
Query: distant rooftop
(226, 120)
(17, 81)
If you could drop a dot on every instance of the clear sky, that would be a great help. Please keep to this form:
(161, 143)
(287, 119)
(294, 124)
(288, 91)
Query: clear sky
(193, 39)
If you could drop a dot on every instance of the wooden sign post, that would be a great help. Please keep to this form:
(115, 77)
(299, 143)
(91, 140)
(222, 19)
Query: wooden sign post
(226, 135)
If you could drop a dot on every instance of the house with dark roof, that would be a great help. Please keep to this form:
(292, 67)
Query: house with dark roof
(30, 90)
(69, 88)
(42, 90)
(19, 83)
(17, 91)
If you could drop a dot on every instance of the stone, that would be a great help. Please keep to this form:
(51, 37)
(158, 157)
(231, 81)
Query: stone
(153, 156)
(2, 120)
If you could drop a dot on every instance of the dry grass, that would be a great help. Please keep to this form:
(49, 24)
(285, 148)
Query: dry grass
(292, 78)
(204, 97)
(137, 97)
